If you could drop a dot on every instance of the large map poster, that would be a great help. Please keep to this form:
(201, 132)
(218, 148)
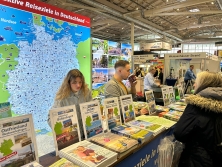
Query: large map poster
(39, 44)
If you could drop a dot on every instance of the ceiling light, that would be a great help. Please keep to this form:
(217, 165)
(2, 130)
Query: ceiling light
(108, 24)
(166, 0)
(93, 19)
(212, 3)
(178, 9)
(194, 10)
(137, 8)
(122, 28)
(107, 31)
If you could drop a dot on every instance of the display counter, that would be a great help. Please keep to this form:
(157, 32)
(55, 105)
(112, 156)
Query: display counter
(145, 154)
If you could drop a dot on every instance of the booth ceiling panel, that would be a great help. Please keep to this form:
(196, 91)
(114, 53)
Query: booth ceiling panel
(175, 19)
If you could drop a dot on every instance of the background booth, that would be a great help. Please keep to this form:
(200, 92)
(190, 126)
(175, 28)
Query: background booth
(176, 65)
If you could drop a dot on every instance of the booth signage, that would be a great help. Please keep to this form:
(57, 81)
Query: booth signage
(48, 10)
(155, 46)
(185, 55)
(141, 59)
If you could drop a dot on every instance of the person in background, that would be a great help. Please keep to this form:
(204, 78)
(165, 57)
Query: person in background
(149, 82)
(161, 76)
(115, 87)
(73, 91)
(195, 128)
(189, 76)
(156, 72)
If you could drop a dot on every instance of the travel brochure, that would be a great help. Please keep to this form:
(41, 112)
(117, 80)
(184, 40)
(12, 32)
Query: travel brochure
(65, 126)
(171, 94)
(141, 135)
(63, 163)
(5, 110)
(180, 91)
(165, 95)
(112, 112)
(17, 141)
(127, 108)
(114, 142)
(150, 99)
(91, 118)
(87, 154)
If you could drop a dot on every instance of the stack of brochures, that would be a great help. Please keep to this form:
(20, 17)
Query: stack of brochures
(117, 143)
(141, 135)
(87, 154)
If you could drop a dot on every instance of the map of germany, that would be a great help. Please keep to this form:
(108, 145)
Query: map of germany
(36, 52)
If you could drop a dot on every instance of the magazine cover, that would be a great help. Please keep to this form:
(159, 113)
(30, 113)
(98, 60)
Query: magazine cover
(63, 163)
(65, 127)
(87, 154)
(114, 142)
(112, 112)
(32, 164)
(150, 99)
(127, 108)
(171, 94)
(136, 133)
(165, 94)
(180, 91)
(5, 110)
(17, 141)
(91, 118)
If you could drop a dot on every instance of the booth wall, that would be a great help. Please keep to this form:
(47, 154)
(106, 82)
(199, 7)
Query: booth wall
(36, 52)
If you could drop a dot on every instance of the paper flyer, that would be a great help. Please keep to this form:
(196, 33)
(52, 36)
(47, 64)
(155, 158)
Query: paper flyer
(112, 112)
(150, 99)
(127, 108)
(65, 126)
(5, 110)
(180, 91)
(91, 118)
(165, 94)
(17, 141)
(171, 94)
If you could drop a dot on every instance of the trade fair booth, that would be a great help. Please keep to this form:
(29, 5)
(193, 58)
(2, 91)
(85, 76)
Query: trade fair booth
(176, 65)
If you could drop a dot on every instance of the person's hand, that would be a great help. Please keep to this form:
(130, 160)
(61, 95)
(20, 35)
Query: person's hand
(133, 84)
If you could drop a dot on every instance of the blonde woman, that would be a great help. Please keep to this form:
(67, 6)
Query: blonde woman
(73, 91)
(196, 126)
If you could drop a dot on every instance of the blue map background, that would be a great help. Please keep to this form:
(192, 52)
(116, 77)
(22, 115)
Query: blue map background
(44, 58)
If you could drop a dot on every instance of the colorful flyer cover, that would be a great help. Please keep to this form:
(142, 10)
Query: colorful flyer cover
(87, 154)
(171, 94)
(91, 118)
(165, 94)
(5, 110)
(65, 126)
(180, 91)
(127, 108)
(150, 99)
(17, 141)
(112, 112)
(63, 163)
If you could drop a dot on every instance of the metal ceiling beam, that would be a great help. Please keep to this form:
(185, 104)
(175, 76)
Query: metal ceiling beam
(199, 25)
(79, 6)
(184, 13)
(144, 23)
(169, 7)
(107, 21)
(100, 28)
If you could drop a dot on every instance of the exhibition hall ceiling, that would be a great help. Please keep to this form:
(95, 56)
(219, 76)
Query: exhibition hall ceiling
(170, 20)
